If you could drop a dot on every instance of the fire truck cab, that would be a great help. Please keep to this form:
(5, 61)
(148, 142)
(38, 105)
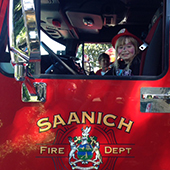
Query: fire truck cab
(56, 113)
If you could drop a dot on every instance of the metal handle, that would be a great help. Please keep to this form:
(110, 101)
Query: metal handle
(35, 92)
(155, 99)
(156, 96)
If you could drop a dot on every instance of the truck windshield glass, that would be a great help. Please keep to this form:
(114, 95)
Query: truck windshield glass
(87, 50)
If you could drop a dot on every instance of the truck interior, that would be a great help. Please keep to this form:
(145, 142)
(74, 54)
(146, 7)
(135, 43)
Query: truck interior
(73, 23)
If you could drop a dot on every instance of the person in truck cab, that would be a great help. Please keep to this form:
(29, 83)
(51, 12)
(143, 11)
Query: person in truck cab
(127, 62)
(104, 61)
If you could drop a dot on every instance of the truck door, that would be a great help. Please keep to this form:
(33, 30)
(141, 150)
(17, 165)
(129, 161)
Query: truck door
(55, 115)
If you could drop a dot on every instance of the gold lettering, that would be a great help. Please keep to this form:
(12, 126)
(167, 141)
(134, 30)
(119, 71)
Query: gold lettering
(105, 121)
(49, 150)
(122, 123)
(108, 149)
(121, 150)
(61, 151)
(108, 120)
(99, 119)
(42, 149)
(115, 150)
(128, 150)
(73, 118)
(85, 116)
(58, 120)
(44, 125)
(53, 150)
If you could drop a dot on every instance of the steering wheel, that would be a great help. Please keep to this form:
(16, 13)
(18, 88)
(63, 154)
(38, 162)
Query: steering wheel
(61, 62)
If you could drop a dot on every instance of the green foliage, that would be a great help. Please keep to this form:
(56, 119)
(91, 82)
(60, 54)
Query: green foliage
(25, 93)
(18, 19)
(95, 138)
(93, 51)
(31, 67)
(88, 140)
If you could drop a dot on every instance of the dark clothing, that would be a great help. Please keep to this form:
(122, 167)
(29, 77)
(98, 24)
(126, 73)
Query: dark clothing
(133, 70)
(99, 72)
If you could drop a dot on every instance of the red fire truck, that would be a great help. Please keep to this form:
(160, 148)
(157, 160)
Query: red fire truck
(55, 113)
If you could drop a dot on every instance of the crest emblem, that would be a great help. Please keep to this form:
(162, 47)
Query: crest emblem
(85, 153)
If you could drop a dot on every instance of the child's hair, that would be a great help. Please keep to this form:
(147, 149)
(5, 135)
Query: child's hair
(103, 55)
(121, 41)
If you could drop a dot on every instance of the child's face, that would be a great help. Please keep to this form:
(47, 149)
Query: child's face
(104, 63)
(127, 51)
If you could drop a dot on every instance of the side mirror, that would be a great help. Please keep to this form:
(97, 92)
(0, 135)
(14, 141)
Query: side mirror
(24, 39)
(25, 49)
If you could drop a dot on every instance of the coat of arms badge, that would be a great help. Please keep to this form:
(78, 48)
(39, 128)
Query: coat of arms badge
(85, 153)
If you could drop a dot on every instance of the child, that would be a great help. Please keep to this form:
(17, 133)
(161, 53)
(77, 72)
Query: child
(104, 61)
(127, 61)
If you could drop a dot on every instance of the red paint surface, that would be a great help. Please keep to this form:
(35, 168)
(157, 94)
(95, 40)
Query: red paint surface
(20, 138)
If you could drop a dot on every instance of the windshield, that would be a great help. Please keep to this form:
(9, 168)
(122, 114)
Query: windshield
(55, 46)
(74, 44)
